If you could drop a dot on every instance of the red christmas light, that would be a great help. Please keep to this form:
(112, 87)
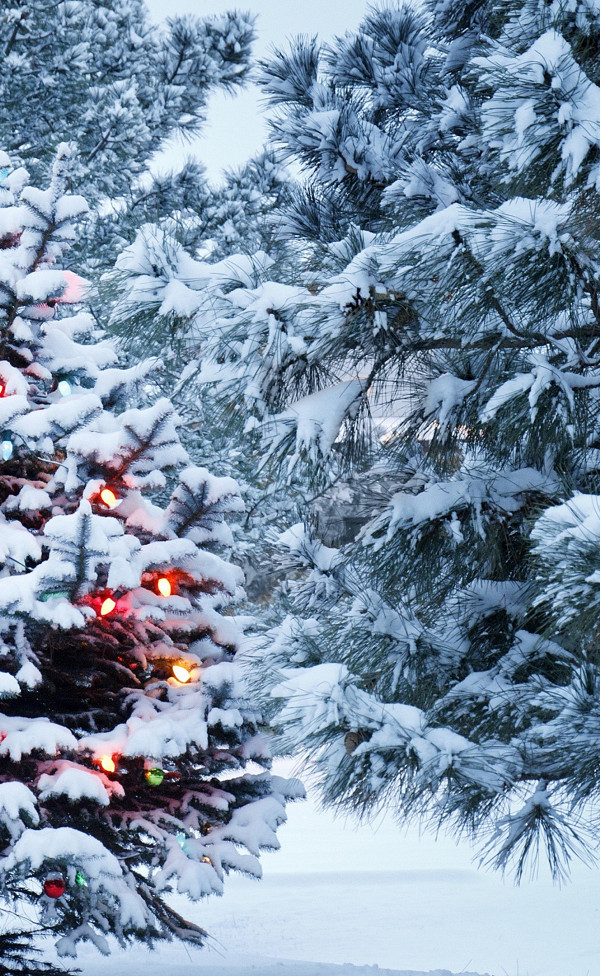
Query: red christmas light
(163, 585)
(108, 497)
(108, 605)
(2, 389)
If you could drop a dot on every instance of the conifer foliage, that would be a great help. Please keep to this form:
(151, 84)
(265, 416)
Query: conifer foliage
(444, 662)
(104, 75)
(125, 725)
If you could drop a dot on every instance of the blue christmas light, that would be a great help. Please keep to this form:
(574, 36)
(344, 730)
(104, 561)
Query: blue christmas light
(4, 172)
(6, 449)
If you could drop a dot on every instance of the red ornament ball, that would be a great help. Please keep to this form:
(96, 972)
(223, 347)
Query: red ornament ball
(55, 886)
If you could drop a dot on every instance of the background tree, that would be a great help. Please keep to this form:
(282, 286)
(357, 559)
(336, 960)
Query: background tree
(167, 290)
(129, 86)
(101, 74)
(445, 243)
(127, 729)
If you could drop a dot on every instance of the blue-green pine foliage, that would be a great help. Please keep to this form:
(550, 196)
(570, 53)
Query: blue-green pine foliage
(100, 73)
(424, 351)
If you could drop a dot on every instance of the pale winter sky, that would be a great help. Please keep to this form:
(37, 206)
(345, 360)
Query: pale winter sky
(235, 129)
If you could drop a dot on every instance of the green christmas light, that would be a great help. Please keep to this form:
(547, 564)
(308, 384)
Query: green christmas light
(80, 879)
(154, 776)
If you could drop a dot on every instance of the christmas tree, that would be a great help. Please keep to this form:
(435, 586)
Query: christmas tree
(132, 758)
(432, 365)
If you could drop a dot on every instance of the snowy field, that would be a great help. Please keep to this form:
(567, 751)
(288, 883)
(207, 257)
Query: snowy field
(372, 924)
(341, 901)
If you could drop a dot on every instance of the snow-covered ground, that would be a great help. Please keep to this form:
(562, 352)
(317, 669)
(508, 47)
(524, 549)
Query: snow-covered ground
(381, 922)
(374, 901)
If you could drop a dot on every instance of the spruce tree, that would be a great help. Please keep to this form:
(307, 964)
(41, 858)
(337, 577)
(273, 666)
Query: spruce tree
(432, 364)
(127, 730)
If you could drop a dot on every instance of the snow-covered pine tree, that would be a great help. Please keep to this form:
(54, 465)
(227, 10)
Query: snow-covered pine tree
(102, 74)
(132, 758)
(445, 662)
(184, 209)
(151, 82)
(165, 292)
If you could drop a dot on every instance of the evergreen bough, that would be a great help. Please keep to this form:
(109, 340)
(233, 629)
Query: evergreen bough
(99, 72)
(427, 355)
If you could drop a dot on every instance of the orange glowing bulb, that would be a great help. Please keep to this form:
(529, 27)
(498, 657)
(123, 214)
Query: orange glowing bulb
(164, 586)
(108, 764)
(109, 498)
(107, 607)
(181, 673)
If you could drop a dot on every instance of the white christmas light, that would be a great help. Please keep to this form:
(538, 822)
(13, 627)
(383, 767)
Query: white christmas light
(182, 674)
(6, 449)
(64, 388)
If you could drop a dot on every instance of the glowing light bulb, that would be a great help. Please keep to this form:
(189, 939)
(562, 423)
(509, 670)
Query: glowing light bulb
(182, 674)
(206, 859)
(2, 389)
(64, 388)
(107, 607)
(154, 776)
(109, 498)
(108, 764)
(164, 586)
(6, 450)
